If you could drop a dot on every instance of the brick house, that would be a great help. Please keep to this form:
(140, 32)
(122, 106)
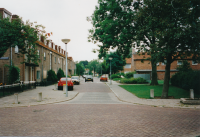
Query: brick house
(51, 56)
(135, 64)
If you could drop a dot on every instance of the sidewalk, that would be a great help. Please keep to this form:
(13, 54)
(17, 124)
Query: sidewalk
(126, 96)
(29, 98)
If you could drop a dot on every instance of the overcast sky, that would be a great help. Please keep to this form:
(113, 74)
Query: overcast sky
(65, 18)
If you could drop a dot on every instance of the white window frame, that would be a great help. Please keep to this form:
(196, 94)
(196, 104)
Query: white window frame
(38, 76)
(194, 62)
(58, 60)
(16, 49)
(44, 56)
(38, 53)
(127, 66)
(179, 63)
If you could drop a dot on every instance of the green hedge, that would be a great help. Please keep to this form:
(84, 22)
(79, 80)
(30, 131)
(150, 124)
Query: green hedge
(129, 74)
(133, 80)
(187, 80)
(116, 79)
(51, 76)
(114, 76)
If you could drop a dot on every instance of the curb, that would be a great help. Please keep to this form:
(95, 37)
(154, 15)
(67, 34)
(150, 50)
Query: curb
(147, 104)
(41, 103)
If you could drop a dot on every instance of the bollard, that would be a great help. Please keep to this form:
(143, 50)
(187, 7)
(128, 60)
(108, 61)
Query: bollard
(152, 93)
(191, 93)
(40, 96)
(64, 87)
(16, 98)
(55, 86)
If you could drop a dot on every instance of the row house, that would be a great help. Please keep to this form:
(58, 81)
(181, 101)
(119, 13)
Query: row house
(51, 56)
(134, 64)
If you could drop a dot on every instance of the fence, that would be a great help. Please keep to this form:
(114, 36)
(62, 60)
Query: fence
(6, 90)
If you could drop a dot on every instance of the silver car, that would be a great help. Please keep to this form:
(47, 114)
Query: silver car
(75, 79)
(89, 78)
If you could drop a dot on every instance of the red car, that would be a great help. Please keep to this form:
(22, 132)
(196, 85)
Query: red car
(63, 81)
(103, 78)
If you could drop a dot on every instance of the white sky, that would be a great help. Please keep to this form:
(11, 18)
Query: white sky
(65, 18)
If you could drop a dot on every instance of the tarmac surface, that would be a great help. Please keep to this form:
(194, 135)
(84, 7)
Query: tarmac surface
(94, 109)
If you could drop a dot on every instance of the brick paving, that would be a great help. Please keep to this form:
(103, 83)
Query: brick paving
(120, 119)
(99, 120)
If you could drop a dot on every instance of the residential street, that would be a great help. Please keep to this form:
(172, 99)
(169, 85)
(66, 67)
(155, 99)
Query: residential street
(96, 111)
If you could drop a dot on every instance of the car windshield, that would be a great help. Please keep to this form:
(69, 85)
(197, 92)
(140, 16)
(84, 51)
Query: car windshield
(64, 79)
(89, 76)
(75, 77)
(103, 76)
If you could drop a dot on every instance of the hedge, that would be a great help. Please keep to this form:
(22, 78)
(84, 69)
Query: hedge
(187, 80)
(133, 80)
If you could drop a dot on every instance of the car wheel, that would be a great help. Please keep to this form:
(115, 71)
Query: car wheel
(92, 80)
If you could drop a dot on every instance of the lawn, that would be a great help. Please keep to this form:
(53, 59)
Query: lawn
(143, 91)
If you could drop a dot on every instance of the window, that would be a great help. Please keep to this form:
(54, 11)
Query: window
(128, 66)
(38, 74)
(55, 59)
(16, 49)
(59, 60)
(194, 62)
(38, 53)
(64, 61)
(164, 63)
(179, 62)
(157, 63)
(44, 56)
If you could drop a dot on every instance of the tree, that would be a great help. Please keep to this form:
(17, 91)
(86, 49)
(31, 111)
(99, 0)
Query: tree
(176, 31)
(115, 26)
(93, 65)
(117, 62)
(112, 22)
(80, 69)
(51, 76)
(85, 63)
(15, 32)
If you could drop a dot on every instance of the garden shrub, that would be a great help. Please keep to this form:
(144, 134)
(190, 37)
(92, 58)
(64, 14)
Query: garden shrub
(129, 74)
(133, 80)
(51, 76)
(116, 79)
(60, 74)
(13, 74)
(187, 80)
(114, 76)
(120, 74)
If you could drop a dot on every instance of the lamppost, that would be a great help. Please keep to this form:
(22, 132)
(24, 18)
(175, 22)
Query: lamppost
(110, 58)
(66, 41)
(101, 70)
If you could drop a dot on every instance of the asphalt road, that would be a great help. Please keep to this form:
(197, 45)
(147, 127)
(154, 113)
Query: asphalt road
(97, 112)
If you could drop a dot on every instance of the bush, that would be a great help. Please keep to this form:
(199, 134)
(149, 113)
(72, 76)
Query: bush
(60, 74)
(51, 76)
(114, 76)
(116, 79)
(133, 80)
(129, 74)
(120, 74)
(13, 74)
(187, 80)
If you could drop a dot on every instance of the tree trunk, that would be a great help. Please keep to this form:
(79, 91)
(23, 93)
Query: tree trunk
(166, 81)
(154, 80)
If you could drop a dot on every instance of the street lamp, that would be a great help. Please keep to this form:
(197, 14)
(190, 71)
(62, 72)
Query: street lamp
(66, 41)
(110, 58)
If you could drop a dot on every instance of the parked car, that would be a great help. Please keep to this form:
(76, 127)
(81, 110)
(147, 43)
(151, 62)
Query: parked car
(63, 81)
(89, 78)
(75, 80)
(103, 78)
(84, 76)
